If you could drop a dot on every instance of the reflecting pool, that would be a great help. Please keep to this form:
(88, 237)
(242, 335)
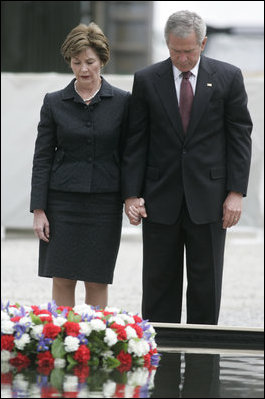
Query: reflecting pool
(183, 373)
(202, 374)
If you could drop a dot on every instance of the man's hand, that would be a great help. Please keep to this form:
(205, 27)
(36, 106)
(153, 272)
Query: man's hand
(232, 209)
(41, 225)
(135, 210)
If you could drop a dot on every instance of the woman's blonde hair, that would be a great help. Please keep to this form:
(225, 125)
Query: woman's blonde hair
(82, 37)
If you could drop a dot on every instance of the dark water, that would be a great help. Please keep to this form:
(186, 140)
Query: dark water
(179, 375)
(209, 375)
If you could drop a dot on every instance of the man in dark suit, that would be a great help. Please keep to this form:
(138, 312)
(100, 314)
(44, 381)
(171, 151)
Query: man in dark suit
(187, 158)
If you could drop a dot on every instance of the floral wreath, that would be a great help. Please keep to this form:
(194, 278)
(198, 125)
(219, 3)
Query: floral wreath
(50, 337)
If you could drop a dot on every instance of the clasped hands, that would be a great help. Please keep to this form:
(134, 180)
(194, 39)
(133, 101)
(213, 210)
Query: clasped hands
(135, 210)
(232, 208)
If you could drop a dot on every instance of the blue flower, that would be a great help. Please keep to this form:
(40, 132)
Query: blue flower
(82, 339)
(52, 307)
(44, 343)
(20, 330)
(86, 317)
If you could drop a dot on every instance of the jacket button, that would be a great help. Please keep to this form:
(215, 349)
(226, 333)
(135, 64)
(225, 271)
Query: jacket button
(184, 151)
(88, 124)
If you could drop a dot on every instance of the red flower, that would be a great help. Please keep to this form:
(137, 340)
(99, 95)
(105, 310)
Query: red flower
(72, 328)
(70, 394)
(49, 392)
(147, 360)
(120, 330)
(20, 361)
(45, 318)
(45, 359)
(137, 392)
(82, 372)
(7, 378)
(15, 319)
(7, 342)
(120, 391)
(138, 329)
(38, 311)
(82, 355)
(51, 331)
(137, 319)
(125, 360)
(105, 313)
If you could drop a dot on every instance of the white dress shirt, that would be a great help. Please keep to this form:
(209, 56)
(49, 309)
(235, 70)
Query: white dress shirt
(193, 78)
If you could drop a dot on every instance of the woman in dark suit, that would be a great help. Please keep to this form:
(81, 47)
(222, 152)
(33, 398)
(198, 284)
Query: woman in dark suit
(75, 193)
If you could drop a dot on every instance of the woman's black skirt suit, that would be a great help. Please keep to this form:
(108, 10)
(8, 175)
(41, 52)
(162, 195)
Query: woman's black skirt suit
(76, 181)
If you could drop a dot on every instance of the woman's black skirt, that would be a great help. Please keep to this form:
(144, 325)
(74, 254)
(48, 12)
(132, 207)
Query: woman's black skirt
(85, 232)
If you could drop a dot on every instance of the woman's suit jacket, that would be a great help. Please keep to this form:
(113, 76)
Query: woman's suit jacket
(163, 164)
(78, 146)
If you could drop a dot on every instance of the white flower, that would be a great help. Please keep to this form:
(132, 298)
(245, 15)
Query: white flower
(70, 383)
(128, 319)
(34, 391)
(7, 327)
(109, 388)
(25, 321)
(129, 391)
(5, 356)
(152, 343)
(59, 321)
(43, 306)
(138, 347)
(85, 328)
(28, 309)
(151, 329)
(20, 383)
(138, 377)
(13, 311)
(84, 309)
(59, 363)
(131, 333)
(71, 344)
(4, 316)
(98, 325)
(107, 354)
(110, 337)
(36, 331)
(117, 319)
(112, 309)
(22, 342)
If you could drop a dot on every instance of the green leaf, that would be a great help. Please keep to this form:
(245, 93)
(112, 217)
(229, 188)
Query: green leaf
(71, 360)
(35, 319)
(120, 346)
(58, 350)
(119, 378)
(74, 318)
(111, 362)
(57, 378)
(94, 362)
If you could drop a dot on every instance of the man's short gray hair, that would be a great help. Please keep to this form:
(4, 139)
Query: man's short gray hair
(183, 23)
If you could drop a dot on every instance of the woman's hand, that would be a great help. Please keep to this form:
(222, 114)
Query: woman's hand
(135, 210)
(41, 225)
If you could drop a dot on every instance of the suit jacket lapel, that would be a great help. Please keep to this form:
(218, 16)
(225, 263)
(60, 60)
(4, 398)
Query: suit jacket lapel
(204, 90)
(165, 86)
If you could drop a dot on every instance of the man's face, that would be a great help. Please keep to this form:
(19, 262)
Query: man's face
(185, 52)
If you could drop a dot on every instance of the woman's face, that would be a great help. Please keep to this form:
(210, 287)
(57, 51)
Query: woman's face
(86, 66)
